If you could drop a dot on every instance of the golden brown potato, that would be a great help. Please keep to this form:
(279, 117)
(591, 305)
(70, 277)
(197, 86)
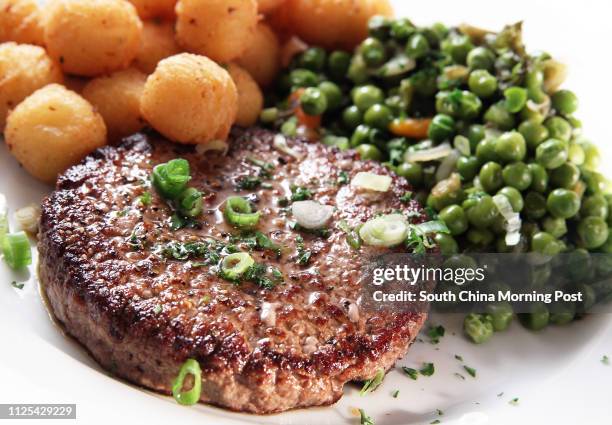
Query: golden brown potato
(250, 98)
(334, 23)
(117, 99)
(148, 9)
(190, 99)
(262, 58)
(75, 83)
(51, 130)
(267, 6)
(92, 37)
(23, 70)
(20, 21)
(219, 29)
(157, 43)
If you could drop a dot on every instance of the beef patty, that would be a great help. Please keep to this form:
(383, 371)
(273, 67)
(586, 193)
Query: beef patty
(118, 278)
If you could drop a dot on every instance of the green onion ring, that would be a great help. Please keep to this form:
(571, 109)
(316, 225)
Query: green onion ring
(235, 265)
(190, 202)
(16, 250)
(385, 231)
(171, 178)
(187, 398)
(239, 214)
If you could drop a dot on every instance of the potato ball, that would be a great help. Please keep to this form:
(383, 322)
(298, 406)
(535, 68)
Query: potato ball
(154, 8)
(250, 98)
(23, 70)
(20, 21)
(267, 6)
(51, 130)
(117, 99)
(219, 29)
(92, 37)
(262, 58)
(335, 23)
(190, 99)
(157, 43)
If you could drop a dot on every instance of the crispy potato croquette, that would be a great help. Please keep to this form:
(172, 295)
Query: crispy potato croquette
(51, 130)
(250, 98)
(92, 37)
(219, 29)
(267, 6)
(23, 70)
(334, 23)
(262, 58)
(20, 21)
(117, 99)
(190, 99)
(157, 43)
(148, 9)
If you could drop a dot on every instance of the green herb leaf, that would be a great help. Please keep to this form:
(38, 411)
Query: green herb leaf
(248, 183)
(299, 193)
(412, 373)
(460, 376)
(427, 369)
(343, 178)
(364, 419)
(470, 370)
(146, 199)
(157, 309)
(514, 401)
(406, 197)
(371, 384)
(17, 285)
(395, 393)
(458, 357)
(437, 421)
(435, 333)
(605, 360)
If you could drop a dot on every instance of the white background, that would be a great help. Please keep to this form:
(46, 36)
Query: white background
(557, 374)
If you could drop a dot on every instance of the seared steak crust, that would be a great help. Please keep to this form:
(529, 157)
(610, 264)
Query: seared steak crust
(141, 315)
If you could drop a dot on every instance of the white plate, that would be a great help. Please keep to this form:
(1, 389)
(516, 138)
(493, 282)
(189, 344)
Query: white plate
(556, 374)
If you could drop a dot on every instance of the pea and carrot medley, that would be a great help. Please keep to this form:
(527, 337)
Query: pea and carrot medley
(477, 125)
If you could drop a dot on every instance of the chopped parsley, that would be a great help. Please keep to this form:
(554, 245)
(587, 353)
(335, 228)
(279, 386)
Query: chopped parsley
(343, 178)
(395, 393)
(258, 240)
(437, 421)
(157, 309)
(605, 360)
(458, 357)
(470, 370)
(364, 419)
(265, 167)
(352, 235)
(427, 369)
(406, 197)
(146, 199)
(500, 394)
(322, 233)
(460, 376)
(514, 401)
(137, 238)
(265, 276)
(412, 373)
(17, 285)
(435, 333)
(439, 412)
(371, 384)
(248, 183)
(208, 251)
(303, 254)
(178, 222)
(300, 193)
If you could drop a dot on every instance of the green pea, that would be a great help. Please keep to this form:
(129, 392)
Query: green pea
(562, 313)
(534, 81)
(511, 147)
(516, 98)
(455, 219)
(514, 196)
(332, 93)
(575, 153)
(558, 128)
(592, 157)
(442, 127)
(289, 127)
(480, 237)
(501, 314)
(588, 298)
(491, 176)
(537, 319)
(268, 115)
(482, 214)
(313, 59)
(485, 151)
(467, 167)
(303, 78)
(535, 205)
(565, 176)
(352, 117)
(475, 133)
(379, 26)
(459, 104)
(478, 327)
(366, 96)
(539, 177)
(596, 206)
(417, 46)
(338, 64)
(396, 104)
(367, 151)
(557, 227)
(458, 46)
(341, 143)
(361, 135)
(499, 116)
(517, 175)
(358, 71)
(533, 132)
(579, 265)
(563, 203)
(606, 248)
(482, 83)
(372, 51)
(596, 182)
(545, 243)
(401, 29)
(446, 243)
(565, 102)
(551, 154)
(539, 275)
(481, 58)
(439, 30)
(313, 101)
(378, 116)
(411, 171)
(593, 232)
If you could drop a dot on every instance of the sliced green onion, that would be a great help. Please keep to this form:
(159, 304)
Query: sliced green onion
(187, 398)
(371, 181)
(3, 218)
(352, 236)
(16, 250)
(462, 144)
(171, 178)
(434, 226)
(385, 231)
(371, 384)
(190, 202)
(235, 265)
(239, 214)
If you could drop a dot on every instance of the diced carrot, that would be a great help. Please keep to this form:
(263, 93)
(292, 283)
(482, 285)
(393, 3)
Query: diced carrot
(415, 128)
(309, 121)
